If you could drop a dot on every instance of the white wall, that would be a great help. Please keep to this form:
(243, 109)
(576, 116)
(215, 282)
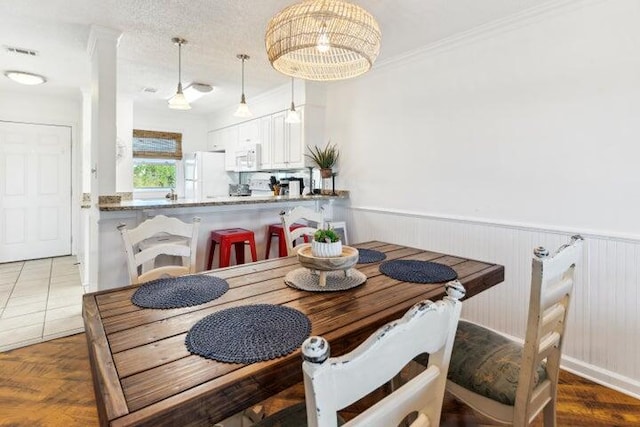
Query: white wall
(520, 132)
(193, 128)
(535, 125)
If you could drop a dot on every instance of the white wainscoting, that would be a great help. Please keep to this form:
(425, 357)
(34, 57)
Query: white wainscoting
(603, 338)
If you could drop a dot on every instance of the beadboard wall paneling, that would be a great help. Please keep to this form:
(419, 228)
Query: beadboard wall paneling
(603, 337)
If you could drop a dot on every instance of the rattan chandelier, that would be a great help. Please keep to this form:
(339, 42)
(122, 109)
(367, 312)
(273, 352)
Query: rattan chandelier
(323, 40)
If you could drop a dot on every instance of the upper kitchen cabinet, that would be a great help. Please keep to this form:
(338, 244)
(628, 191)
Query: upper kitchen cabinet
(249, 132)
(282, 145)
(289, 140)
(215, 141)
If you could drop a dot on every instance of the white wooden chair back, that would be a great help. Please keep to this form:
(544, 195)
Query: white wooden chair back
(334, 383)
(551, 288)
(296, 214)
(152, 227)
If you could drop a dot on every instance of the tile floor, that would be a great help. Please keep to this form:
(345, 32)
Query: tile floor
(39, 300)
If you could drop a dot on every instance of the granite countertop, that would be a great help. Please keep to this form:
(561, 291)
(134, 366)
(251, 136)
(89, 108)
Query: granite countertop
(214, 201)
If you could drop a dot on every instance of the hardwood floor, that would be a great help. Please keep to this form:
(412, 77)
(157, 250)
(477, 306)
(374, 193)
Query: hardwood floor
(49, 384)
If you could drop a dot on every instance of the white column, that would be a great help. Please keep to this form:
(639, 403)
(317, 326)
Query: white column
(124, 157)
(103, 49)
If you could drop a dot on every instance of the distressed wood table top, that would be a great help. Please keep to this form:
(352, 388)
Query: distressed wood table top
(144, 375)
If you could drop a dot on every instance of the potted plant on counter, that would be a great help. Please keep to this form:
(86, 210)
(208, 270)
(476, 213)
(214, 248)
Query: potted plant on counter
(326, 243)
(325, 158)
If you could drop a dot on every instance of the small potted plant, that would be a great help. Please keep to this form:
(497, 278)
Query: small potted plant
(326, 243)
(325, 158)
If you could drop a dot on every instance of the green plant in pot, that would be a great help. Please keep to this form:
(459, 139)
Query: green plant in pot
(326, 243)
(325, 158)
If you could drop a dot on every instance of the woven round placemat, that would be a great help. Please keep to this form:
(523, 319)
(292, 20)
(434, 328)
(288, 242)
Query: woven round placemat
(367, 256)
(410, 270)
(248, 334)
(304, 279)
(176, 292)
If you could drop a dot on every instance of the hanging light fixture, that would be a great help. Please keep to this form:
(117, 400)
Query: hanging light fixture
(292, 115)
(243, 108)
(178, 101)
(323, 40)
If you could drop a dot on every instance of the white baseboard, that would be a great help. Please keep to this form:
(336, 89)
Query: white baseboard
(601, 376)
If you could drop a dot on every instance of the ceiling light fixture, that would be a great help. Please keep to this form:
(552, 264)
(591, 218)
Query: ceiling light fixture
(178, 101)
(196, 91)
(243, 108)
(25, 78)
(292, 116)
(323, 40)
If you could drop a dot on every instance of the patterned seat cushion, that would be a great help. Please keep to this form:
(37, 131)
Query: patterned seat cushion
(488, 363)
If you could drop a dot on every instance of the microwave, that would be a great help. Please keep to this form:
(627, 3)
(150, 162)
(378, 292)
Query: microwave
(247, 158)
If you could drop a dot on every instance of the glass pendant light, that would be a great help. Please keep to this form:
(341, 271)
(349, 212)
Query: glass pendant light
(178, 101)
(292, 116)
(243, 108)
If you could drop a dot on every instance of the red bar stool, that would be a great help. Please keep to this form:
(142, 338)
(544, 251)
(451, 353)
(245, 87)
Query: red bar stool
(277, 230)
(228, 237)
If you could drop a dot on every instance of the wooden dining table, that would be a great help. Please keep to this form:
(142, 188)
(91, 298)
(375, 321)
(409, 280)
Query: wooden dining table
(144, 375)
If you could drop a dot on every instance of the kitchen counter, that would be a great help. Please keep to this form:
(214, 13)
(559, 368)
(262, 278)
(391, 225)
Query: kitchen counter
(108, 266)
(128, 205)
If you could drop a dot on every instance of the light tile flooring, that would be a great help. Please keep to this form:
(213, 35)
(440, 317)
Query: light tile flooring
(39, 300)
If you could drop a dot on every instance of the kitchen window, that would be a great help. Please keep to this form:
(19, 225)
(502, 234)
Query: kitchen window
(155, 156)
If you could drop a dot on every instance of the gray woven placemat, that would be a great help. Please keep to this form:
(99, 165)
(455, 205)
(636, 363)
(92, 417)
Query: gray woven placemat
(304, 279)
(248, 334)
(368, 256)
(176, 292)
(410, 270)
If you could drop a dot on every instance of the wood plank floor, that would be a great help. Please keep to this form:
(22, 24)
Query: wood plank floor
(50, 384)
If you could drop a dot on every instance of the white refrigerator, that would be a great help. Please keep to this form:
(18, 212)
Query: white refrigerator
(205, 175)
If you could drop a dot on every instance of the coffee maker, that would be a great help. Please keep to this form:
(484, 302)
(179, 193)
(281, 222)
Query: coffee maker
(284, 185)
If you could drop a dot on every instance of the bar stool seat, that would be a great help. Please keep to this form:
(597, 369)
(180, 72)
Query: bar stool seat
(227, 237)
(277, 230)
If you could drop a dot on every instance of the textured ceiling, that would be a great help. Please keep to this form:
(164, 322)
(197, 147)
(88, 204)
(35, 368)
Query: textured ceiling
(216, 30)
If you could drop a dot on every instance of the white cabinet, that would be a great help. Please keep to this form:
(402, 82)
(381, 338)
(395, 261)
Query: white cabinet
(266, 153)
(287, 143)
(249, 132)
(215, 140)
(229, 138)
(283, 145)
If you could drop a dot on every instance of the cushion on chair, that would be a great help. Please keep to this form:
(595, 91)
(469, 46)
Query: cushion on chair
(292, 416)
(488, 363)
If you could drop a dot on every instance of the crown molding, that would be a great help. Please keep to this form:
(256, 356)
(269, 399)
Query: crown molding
(490, 29)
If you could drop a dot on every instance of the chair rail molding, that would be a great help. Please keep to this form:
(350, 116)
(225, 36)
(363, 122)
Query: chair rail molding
(602, 339)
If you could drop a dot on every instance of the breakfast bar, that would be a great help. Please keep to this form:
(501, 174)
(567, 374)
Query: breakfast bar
(252, 213)
(144, 375)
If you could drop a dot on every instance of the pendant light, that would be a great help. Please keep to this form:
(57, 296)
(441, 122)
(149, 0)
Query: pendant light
(178, 101)
(243, 108)
(323, 40)
(292, 116)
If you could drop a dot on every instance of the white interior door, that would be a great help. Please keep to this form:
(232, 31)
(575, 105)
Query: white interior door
(35, 191)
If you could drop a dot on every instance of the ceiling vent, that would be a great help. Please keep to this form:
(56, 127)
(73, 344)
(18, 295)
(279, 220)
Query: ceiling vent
(21, 51)
(149, 90)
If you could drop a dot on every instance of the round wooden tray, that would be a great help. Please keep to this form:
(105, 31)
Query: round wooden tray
(321, 265)
(348, 259)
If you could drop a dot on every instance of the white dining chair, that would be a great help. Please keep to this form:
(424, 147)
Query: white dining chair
(333, 383)
(157, 236)
(502, 379)
(295, 215)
